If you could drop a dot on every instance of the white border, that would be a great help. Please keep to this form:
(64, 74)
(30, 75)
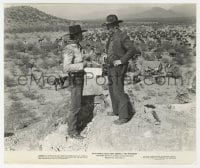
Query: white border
(100, 1)
(1, 87)
(196, 165)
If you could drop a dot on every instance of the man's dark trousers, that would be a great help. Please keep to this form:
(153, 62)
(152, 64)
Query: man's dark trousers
(120, 101)
(76, 82)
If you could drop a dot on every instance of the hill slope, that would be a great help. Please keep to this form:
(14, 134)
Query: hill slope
(28, 19)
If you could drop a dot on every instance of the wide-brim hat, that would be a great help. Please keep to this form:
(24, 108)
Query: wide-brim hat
(112, 19)
(75, 29)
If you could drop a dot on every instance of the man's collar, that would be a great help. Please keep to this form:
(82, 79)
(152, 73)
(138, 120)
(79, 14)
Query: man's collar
(116, 31)
(74, 43)
(71, 42)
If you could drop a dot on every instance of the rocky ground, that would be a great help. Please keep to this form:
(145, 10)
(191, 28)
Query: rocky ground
(172, 129)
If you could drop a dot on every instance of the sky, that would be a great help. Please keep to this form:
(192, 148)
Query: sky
(94, 11)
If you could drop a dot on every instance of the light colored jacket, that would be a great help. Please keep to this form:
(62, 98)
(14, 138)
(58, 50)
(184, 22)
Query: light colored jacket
(72, 58)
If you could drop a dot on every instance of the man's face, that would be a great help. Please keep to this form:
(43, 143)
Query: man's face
(78, 37)
(110, 28)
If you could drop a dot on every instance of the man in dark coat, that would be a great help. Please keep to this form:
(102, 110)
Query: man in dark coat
(119, 50)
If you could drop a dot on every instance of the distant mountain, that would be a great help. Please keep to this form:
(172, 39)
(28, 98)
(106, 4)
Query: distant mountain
(27, 19)
(30, 19)
(158, 12)
(185, 10)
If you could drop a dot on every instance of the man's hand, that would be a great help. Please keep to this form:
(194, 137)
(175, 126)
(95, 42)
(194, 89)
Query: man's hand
(117, 62)
(87, 64)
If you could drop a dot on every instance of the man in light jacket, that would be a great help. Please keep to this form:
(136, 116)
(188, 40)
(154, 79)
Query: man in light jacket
(74, 65)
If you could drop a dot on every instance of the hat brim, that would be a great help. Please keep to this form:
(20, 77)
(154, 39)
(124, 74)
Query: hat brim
(109, 23)
(82, 31)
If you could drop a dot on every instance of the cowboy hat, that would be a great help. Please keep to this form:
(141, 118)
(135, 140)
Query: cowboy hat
(112, 19)
(75, 29)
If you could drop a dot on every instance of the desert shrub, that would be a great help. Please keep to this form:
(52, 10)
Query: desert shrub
(44, 65)
(55, 58)
(51, 55)
(20, 46)
(175, 71)
(16, 36)
(47, 46)
(9, 80)
(6, 36)
(48, 63)
(165, 46)
(25, 59)
(18, 116)
(182, 96)
(30, 46)
(165, 60)
(10, 54)
(183, 56)
(16, 111)
(146, 97)
(16, 54)
(137, 88)
(14, 97)
(14, 70)
(183, 59)
(31, 95)
(17, 107)
(24, 70)
(151, 45)
(41, 99)
(36, 27)
(49, 60)
(47, 38)
(13, 54)
(151, 93)
(36, 51)
(9, 45)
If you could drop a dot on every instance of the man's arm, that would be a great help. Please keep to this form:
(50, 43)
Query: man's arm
(129, 47)
(68, 66)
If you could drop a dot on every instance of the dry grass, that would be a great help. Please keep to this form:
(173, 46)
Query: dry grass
(31, 94)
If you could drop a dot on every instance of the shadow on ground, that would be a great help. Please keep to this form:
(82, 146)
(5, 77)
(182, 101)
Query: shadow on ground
(86, 114)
